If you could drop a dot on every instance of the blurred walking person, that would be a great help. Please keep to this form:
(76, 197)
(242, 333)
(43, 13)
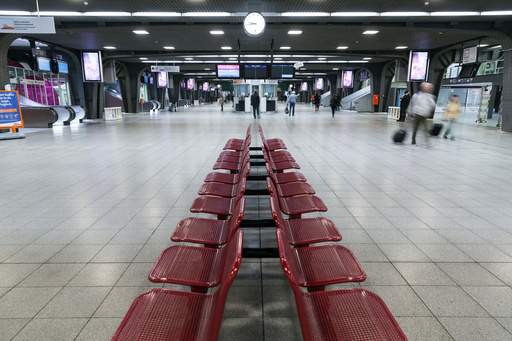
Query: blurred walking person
(422, 107)
(451, 114)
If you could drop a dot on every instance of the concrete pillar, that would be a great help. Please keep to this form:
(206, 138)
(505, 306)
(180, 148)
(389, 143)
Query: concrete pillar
(5, 42)
(506, 120)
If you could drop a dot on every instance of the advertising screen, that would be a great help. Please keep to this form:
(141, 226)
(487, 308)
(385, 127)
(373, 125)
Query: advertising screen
(190, 84)
(304, 86)
(255, 71)
(282, 71)
(92, 69)
(363, 76)
(347, 79)
(150, 80)
(162, 79)
(43, 64)
(228, 71)
(63, 67)
(206, 86)
(418, 66)
(319, 83)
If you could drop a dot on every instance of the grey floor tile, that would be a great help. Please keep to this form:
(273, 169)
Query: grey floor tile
(382, 274)
(99, 274)
(34, 254)
(11, 327)
(136, 275)
(423, 329)
(118, 301)
(250, 329)
(444, 253)
(12, 274)
(117, 254)
(423, 274)
(284, 329)
(501, 270)
(25, 302)
(94, 237)
(99, 329)
(52, 275)
(278, 301)
(506, 322)
(403, 253)
(469, 274)
(449, 301)
(76, 253)
(368, 253)
(475, 329)
(125, 237)
(75, 302)
(7, 251)
(496, 300)
(485, 253)
(51, 329)
(244, 302)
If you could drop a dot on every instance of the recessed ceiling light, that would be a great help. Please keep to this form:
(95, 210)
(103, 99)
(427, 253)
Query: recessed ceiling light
(295, 32)
(232, 58)
(226, 47)
(335, 68)
(141, 32)
(107, 14)
(206, 14)
(483, 45)
(217, 32)
(207, 68)
(278, 58)
(285, 47)
(370, 32)
(304, 14)
(342, 47)
(367, 58)
(169, 47)
(454, 14)
(109, 47)
(354, 14)
(400, 47)
(156, 14)
(143, 58)
(322, 58)
(404, 14)
(189, 58)
(496, 13)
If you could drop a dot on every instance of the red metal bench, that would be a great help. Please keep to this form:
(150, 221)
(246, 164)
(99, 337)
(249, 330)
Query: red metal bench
(318, 266)
(221, 190)
(281, 165)
(346, 314)
(227, 178)
(305, 231)
(163, 314)
(199, 267)
(236, 144)
(289, 189)
(235, 153)
(222, 207)
(274, 143)
(233, 166)
(210, 232)
(296, 206)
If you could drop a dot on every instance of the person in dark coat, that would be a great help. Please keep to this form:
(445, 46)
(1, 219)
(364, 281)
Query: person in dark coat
(317, 102)
(404, 103)
(255, 103)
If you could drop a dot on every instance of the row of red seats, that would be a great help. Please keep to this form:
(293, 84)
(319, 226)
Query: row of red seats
(346, 314)
(164, 314)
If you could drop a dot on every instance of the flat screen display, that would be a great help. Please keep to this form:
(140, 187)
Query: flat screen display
(206, 86)
(43, 64)
(255, 71)
(363, 76)
(228, 71)
(92, 69)
(418, 66)
(319, 83)
(63, 67)
(282, 71)
(162, 79)
(304, 86)
(347, 79)
(151, 80)
(190, 84)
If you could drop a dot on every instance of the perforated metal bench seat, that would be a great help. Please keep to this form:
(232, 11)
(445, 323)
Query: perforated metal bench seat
(232, 166)
(305, 231)
(295, 206)
(294, 188)
(222, 190)
(283, 178)
(222, 207)
(210, 232)
(163, 314)
(229, 178)
(348, 315)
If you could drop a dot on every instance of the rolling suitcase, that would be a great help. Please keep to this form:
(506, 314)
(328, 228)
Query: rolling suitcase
(399, 136)
(436, 129)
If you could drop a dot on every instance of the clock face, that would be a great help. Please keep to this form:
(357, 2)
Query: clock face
(254, 24)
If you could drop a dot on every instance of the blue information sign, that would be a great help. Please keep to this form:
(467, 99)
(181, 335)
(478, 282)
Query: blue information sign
(10, 113)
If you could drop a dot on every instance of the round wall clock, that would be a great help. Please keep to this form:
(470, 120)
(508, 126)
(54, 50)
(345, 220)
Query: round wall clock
(254, 24)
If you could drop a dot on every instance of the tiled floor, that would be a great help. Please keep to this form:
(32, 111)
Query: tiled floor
(85, 211)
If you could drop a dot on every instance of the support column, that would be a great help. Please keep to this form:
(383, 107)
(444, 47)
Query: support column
(506, 119)
(5, 42)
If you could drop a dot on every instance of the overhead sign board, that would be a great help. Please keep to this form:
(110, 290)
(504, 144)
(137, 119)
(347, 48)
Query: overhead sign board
(10, 112)
(469, 55)
(23, 25)
(165, 68)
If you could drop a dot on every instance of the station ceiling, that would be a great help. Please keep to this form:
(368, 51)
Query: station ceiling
(332, 32)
